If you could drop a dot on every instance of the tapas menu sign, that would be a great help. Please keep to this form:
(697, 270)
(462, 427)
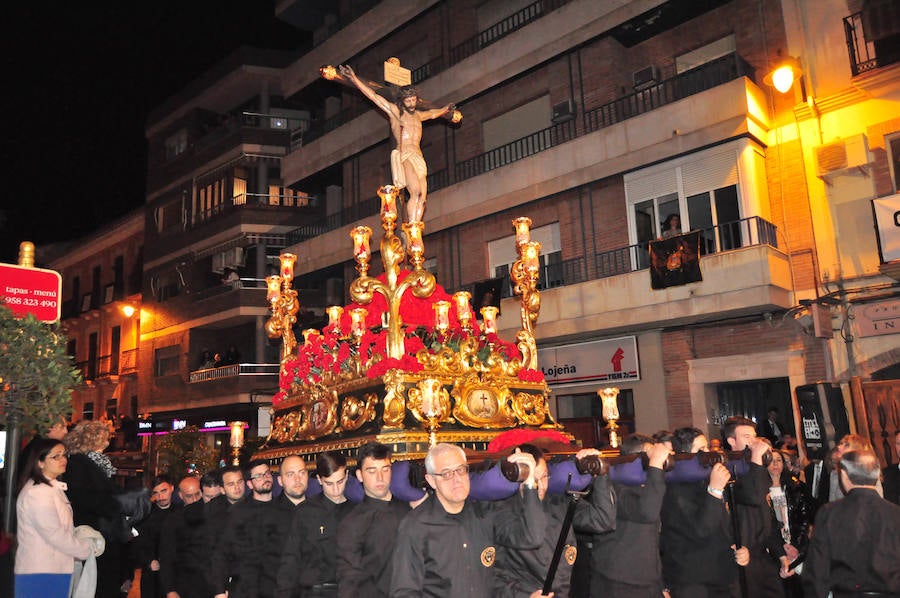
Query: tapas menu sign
(31, 291)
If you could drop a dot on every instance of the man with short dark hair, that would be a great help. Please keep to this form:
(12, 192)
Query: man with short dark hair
(237, 565)
(309, 556)
(754, 513)
(446, 547)
(146, 545)
(211, 485)
(365, 541)
(626, 563)
(855, 547)
(520, 571)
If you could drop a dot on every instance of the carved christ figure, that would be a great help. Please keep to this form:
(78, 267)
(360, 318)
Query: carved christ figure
(408, 167)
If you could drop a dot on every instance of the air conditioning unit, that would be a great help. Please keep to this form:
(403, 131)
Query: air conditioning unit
(644, 78)
(563, 112)
(842, 156)
(233, 258)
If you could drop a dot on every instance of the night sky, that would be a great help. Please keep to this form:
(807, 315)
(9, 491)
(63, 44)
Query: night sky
(80, 80)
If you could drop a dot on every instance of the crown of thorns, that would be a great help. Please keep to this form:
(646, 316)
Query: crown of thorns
(407, 91)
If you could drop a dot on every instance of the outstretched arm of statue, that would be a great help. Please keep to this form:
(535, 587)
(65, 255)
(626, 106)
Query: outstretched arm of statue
(436, 112)
(347, 71)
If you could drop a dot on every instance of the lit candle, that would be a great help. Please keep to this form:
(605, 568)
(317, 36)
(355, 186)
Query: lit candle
(287, 265)
(237, 434)
(523, 230)
(463, 311)
(358, 320)
(308, 334)
(531, 250)
(334, 316)
(274, 284)
(609, 398)
(489, 314)
(414, 233)
(429, 387)
(328, 72)
(441, 315)
(388, 195)
(361, 236)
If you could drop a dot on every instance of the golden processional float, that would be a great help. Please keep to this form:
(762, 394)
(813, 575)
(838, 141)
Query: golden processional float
(406, 364)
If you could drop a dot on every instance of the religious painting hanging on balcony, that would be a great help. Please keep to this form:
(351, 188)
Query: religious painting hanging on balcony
(675, 261)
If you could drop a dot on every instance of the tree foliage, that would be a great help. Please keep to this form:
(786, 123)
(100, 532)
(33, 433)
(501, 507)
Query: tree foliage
(36, 374)
(185, 452)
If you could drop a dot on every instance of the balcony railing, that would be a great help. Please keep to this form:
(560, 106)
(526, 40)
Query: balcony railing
(873, 39)
(516, 150)
(234, 371)
(129, 362)
(699, 79)
(746, 232)
(501, 29)
(363, 209)
(227, 286)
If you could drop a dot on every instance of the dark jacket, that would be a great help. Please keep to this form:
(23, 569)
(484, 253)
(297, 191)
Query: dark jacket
(92, 495)
(630, 554)
(521, 571)
(310, 552)
(855, 546)
(365, 545)
(891, 483)
(445, 555)
(696, 538)
(237, 560)
(800, 511)
(185, 550)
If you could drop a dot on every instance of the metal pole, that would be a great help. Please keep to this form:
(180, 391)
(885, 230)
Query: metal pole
(12, 460)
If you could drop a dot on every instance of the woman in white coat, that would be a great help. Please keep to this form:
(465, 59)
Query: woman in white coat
(47, 549)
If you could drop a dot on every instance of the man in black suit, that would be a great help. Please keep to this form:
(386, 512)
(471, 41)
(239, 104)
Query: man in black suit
(770, 428)
(891, 475)
(856, 544)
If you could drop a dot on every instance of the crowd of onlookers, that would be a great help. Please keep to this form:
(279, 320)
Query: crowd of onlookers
(762, 525)
(209, 359)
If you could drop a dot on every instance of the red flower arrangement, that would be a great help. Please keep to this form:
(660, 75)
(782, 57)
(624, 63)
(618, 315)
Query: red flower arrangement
(330, 352)
(528, 375)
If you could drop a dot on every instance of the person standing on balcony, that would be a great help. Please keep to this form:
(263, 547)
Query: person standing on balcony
(671, 226)
(407, 162)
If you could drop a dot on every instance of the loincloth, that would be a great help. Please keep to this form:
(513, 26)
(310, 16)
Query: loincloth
(397, 160)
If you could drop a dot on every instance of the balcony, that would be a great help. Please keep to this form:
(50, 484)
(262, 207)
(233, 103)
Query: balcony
(233, 131)
(260, 370)
(750, 279)
(873, 37)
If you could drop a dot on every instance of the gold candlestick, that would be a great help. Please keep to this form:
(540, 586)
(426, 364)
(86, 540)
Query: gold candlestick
(525, 274)
(420, 281)
(609, 398)
(284, 305)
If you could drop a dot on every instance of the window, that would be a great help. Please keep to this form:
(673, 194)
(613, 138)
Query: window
(112, 409)
(167, 360)
(893, 145)
(502, 254)
(176, 144)
(87, 411)
(715, 191)
(707, 53)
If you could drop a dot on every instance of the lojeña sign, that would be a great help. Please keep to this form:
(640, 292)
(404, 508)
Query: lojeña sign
(31, 291)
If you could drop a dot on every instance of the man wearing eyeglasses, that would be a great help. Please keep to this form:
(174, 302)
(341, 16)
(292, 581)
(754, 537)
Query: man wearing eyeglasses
(367, 535)
(520, 571)
(447, 546)
(238, 565)
(309, 557)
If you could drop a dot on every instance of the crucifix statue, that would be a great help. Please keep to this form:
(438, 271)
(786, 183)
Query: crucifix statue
(406, 114)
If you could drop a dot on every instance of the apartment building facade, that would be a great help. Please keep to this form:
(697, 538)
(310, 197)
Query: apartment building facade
(596, 120)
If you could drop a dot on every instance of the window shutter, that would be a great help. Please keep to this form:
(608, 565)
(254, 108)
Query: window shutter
(715, 171)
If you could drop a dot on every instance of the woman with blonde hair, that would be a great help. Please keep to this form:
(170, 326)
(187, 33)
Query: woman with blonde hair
(48, 547)
(92, 493)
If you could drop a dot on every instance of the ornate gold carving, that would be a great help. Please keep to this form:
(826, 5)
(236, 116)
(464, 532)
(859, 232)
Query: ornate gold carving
(531, 409)
(482, 402)
(394, 402)
(356, 412)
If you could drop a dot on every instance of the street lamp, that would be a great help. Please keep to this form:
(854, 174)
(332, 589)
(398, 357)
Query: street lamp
(782, 77)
